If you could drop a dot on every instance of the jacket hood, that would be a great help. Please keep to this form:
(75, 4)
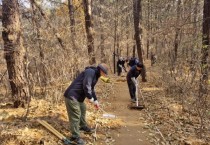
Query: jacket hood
(96, 69)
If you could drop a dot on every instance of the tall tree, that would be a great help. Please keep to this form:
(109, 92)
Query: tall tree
(137, 36)
(115, 35)
(177, 30)
(148, 27)
(205, 48)
(203, 91)
(89, 31)
(138, 32)
(14, 52)
(72, 23)
(102, 44)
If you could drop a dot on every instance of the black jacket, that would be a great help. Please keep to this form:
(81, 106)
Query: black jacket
(83, 85)
(120, 62)
(133, 61)
(133, 72)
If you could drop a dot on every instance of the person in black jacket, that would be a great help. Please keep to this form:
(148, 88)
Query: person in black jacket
(120, 66)
(131, 77)
(75, 94)
(134, 61)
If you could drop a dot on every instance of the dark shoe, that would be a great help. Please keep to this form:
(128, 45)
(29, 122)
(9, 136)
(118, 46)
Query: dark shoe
(86, 129)
(77, 141)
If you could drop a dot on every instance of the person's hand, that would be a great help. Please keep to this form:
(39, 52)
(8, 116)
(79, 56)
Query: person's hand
(91, 100)
(105, 79)
(144, 80)
(134, 81)
(96, 104)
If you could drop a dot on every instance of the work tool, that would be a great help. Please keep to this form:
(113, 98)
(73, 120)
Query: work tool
(55, 132)
(138, 107)
(107, 115)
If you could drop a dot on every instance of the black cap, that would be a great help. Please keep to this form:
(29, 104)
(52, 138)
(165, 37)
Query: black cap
(140, 65)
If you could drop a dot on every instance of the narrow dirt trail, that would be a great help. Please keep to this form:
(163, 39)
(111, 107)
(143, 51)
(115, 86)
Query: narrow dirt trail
(133, 131)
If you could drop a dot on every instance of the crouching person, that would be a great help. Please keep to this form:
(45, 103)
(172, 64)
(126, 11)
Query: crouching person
(80, 88)
(132, 76)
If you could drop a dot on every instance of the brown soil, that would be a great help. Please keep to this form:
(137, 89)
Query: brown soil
(133, 131)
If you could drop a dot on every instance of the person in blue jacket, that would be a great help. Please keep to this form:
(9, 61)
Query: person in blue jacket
(82, 87)
(131, 77)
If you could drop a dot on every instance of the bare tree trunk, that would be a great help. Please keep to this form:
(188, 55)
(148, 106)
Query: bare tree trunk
(136, 14)
(115, 35)
(148, 28)
(134, 50)
(72, 24)
(201, 102)
(103, 56)
(89, 31)
(195, 34)
(127, 36)
(37, 29)
(42, 70)
(138, 32)
(205, 48)
(177, 31)
(14, 52)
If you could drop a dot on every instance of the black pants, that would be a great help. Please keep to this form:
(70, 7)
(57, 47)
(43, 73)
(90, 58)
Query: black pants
(132, 89)
(119, 71)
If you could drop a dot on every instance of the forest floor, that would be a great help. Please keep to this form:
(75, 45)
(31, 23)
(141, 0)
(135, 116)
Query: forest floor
(161, 122)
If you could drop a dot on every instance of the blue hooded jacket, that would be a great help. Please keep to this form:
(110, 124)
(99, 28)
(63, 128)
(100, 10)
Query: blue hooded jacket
(83, 85)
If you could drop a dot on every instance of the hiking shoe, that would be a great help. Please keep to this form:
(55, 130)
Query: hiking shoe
(86, 129)
(77, 141)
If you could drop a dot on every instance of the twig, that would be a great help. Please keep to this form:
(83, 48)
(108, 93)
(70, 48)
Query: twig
(153, 119)
(156, 126)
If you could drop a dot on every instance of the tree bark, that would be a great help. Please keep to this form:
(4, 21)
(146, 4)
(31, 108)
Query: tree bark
(14, 52)
(138, 32)
(89, 31)
(148, 28)
(202, 104)
(205, 48)
(136, 15)
(72, 24)
(103, 55)
(177, 31)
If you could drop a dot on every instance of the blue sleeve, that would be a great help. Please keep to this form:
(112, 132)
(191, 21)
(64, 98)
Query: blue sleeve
(133, 71)
(87, 84)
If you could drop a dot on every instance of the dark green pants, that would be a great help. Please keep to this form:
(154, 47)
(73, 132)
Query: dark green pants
(76, 114)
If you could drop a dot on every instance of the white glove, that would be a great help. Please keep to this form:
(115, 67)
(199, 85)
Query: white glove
(120, 65)
(96, 104)
(134, 81)
(91, 100)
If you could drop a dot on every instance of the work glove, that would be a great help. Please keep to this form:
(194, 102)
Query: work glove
(91, 100)
(105, 79)
(96, 104)
(134, 81)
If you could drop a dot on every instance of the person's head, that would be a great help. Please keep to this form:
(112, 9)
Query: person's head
(121, 58)
(103, 69)
(139, 66)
